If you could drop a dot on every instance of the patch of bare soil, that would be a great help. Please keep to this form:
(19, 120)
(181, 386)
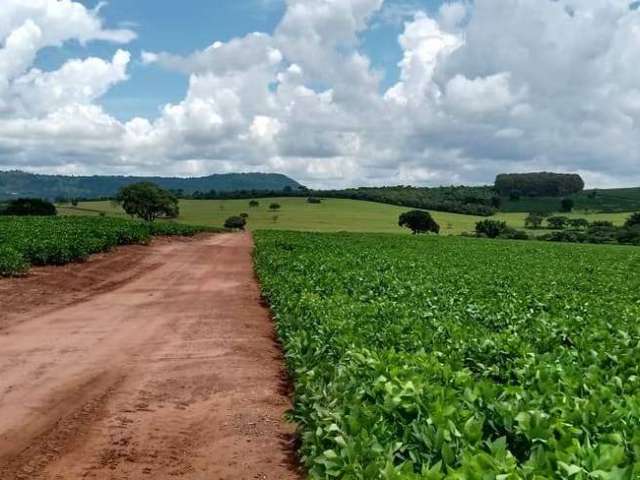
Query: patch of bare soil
(147, 363)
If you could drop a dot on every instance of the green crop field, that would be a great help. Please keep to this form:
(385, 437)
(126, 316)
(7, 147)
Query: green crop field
(26, 241)
(332, 215)
(453, 358)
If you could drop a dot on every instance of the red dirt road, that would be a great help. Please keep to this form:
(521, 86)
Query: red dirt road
(149, 363)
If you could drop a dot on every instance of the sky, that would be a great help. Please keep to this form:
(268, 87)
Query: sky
(333, 93)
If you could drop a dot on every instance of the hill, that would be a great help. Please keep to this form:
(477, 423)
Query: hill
(14, 184)
(332, 215)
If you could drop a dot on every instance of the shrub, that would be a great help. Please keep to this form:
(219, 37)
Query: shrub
(254, 203)
(534, 220)
(491, 228)
(30, 207)
(244, 215)
(314, 200)
(513, 234)
(557, 223)
(235, 223)
(419, 221)
(274, 206)
(567, 205)
(633, 220)
(579, 223)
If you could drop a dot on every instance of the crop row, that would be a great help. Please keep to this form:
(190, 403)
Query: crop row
(26, 241)
(453, 358)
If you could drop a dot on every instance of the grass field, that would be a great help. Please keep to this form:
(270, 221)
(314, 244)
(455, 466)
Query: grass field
(332, 215)
(425, 358)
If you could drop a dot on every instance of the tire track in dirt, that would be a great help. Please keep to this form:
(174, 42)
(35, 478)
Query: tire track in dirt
(173, 374)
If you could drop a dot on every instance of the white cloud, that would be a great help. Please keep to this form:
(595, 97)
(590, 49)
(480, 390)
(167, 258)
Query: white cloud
(533, 84)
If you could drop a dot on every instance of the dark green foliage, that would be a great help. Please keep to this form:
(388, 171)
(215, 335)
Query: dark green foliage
(235, 223)
(567, 205)
(534, 220)
(58, 240)
(274, 206)
(244, 215)
(29, 207)
(578, 223)
(148, 201)
(542, 184)
(419, 221)
(52, 186)
(426, 358)
(254, 203)
(314, 200)
(633, 220)
(557, 223)
(491, 228)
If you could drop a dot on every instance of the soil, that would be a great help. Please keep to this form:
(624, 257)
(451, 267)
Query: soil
(156, 362)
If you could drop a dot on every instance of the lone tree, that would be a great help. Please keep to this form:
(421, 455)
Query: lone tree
(567, 205)
(148, 201)
(491, 228)
(235, 223)
(254, 203)
(419, 221)
(30, 207)
(274, 206)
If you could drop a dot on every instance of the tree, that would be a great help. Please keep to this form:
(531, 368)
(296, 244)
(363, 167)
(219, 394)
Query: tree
(30, 207)
(74, 202)
(244, 215)
(557, 223)
(419, 221)
(633, 220)
(540, 184)
(315, 200)
(491, 228)
(148, 201)
(567, 205)
(534, 220)
(274, 206)
(254, 203)
(579, 223)
(235, 223)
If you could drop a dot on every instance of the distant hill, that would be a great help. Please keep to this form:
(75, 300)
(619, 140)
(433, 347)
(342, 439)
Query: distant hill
(608, 200)
(14, 184)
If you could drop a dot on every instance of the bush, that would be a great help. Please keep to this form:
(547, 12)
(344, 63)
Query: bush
(235, 223)
(314, 200)
(419, 221)
(254, 203)
(244, 215)
(633, 220)
(513, 234)
(274, 206)
(557, 223)
(567, 205)
(491, 228)
(30, 207)
(534, 220)
(12, 262)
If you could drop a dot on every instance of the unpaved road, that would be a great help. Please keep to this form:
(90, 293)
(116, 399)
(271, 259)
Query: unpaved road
(149, 363)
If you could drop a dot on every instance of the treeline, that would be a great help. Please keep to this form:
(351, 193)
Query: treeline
(481, 201)
(540, 184)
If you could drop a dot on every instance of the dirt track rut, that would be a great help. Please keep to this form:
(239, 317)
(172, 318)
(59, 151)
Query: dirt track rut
(170, 372)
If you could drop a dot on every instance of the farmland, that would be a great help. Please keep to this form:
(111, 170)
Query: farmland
(332, 215)
(26, 241)
(453, 358)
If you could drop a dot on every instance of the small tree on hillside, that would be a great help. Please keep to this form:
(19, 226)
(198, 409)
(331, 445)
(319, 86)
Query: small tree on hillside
(274, 207)
(235, 223)
(491, 228)
(534, 220)
(567, 205)
(148, 201)
(419, 221)
(254, 203)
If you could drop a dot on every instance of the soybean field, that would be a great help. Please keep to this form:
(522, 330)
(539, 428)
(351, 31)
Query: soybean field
(453, 358)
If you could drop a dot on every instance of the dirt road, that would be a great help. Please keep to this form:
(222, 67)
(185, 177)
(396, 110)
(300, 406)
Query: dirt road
(150, 363)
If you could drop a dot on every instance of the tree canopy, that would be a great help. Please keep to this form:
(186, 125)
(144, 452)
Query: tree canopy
(419, 221)
(148, 201)
(541, 184)
(29, 207)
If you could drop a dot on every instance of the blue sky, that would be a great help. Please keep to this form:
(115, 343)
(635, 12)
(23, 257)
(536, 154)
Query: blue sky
(181, 27)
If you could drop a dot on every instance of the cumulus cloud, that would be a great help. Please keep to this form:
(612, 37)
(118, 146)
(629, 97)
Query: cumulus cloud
(533, 84)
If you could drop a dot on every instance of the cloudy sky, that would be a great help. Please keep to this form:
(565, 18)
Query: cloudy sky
(332, 92)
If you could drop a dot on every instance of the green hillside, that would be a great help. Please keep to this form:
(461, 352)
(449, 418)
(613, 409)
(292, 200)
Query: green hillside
(332, 215)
